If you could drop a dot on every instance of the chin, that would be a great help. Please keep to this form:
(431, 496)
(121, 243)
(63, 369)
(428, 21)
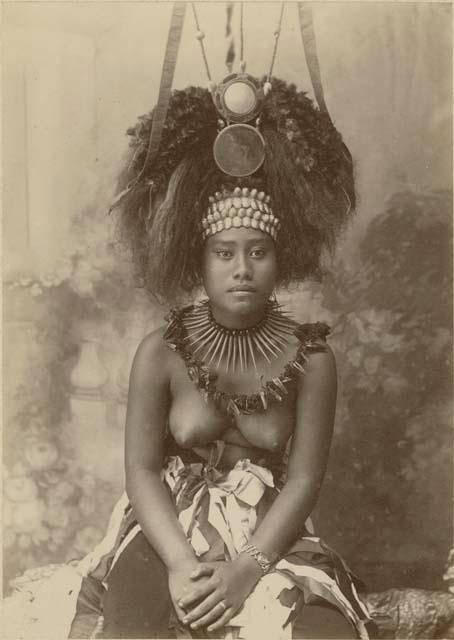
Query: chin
(243, 308)
(246, 304)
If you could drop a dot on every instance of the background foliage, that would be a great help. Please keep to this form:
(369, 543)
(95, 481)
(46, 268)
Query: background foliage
(388, 494)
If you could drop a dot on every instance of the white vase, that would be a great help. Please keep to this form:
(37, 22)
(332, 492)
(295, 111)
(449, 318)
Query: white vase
(89, 375)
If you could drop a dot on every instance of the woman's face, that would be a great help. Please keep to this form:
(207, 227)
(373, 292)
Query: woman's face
(239, 274)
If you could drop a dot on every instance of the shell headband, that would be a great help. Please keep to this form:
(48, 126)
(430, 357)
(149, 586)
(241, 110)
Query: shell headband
(243, 207)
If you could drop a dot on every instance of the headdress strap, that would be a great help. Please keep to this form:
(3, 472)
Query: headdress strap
(168, 70)
(165, 89)
(310, 51)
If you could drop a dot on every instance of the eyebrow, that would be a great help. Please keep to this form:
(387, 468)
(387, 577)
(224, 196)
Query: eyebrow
(232, 243)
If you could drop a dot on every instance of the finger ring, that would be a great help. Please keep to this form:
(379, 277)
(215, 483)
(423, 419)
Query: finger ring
(223, 605)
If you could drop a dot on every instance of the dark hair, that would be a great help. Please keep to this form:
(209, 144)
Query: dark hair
(307, 172)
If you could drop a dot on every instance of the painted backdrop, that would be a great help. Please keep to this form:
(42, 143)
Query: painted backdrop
(75, 77)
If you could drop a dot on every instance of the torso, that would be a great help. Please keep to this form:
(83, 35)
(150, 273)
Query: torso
(194, 424)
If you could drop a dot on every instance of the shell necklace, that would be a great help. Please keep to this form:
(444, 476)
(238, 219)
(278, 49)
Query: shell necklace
(234, 349)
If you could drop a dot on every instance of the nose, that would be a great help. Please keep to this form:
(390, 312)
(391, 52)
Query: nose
(242, 268)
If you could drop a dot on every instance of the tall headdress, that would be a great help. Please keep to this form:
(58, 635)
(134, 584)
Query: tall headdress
(245, 152)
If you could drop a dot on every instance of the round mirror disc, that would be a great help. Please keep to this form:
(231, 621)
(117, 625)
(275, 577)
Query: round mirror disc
(239, 150)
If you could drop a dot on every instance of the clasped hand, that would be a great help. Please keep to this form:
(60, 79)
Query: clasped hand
(216, 592)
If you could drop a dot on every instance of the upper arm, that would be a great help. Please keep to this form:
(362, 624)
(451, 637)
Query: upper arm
(148, 405)
(315, 410)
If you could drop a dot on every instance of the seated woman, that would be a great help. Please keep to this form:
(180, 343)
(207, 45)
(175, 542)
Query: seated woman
(231, 405)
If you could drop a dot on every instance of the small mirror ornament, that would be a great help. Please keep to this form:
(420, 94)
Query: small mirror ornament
(239, 98)
(239, 150)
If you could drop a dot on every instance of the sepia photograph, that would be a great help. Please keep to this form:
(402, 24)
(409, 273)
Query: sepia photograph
(227, 320)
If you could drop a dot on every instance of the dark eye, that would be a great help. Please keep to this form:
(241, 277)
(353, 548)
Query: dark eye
(225, 254)
(259, 252)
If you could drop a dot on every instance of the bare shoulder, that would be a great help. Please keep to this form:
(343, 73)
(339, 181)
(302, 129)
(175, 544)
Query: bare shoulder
(153, 345)
(320, 369)
(322, 359)
(151, 361)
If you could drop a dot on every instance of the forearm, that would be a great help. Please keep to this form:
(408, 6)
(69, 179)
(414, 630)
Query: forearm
(289, 511)
(285, 519)
(157, 517)
(315, 410)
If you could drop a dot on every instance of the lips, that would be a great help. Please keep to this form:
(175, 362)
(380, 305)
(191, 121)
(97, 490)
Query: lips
(245, 288)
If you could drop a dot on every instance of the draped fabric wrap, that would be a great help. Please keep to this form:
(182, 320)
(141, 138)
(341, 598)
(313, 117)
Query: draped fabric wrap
(219, 509)
(227, 504)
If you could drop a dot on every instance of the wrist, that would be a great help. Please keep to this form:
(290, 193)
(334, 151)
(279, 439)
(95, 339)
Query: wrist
(264, 561)
(183, 561)
(249, 566)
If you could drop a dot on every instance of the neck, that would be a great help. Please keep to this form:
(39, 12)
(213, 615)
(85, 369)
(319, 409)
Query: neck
(237, 319)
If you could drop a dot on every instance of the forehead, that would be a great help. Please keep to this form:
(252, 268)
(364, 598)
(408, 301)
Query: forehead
(239, 237)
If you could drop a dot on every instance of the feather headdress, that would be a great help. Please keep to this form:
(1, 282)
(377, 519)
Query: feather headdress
(307, 171)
